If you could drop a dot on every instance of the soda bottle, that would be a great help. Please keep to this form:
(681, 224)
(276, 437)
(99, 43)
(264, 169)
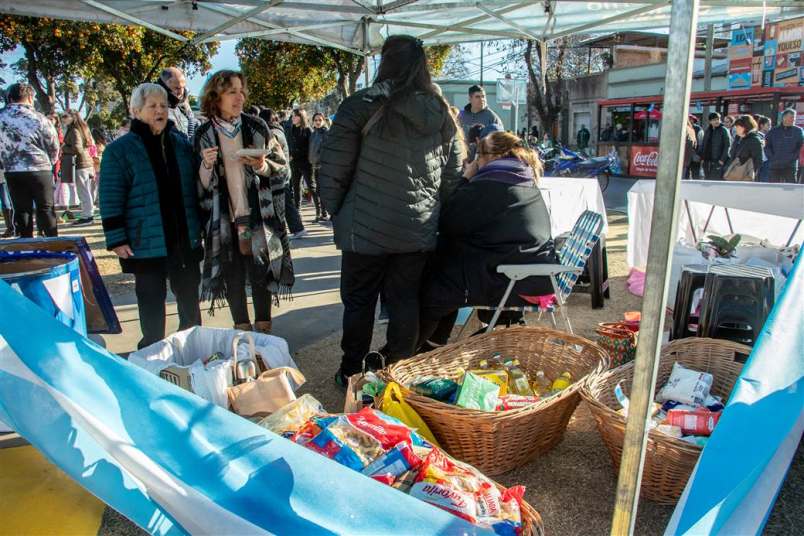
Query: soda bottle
(562, 382)
(517, 379)
(541, 384)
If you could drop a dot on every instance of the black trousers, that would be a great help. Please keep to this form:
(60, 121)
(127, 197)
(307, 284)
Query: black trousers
(292, 217)
(713, 171)
(787, 174)
(243, 267)
(27, 188)
(319, 207)
(151, 290)
(301, 169)
(399, 277)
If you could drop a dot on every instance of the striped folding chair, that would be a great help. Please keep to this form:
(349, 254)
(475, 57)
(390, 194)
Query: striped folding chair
(573, 256)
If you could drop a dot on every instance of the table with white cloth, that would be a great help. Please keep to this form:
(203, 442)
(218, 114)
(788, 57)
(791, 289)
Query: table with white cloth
(763, 210)
(566, 199)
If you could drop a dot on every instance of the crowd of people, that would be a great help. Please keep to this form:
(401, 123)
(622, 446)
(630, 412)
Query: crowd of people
(425, 199)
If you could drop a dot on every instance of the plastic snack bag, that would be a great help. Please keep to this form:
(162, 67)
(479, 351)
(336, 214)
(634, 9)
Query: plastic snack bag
(500, 377)
(393, 464)
(507, 402)
(293, 416)
(477, 393)
(686, 386)
(436, 388)
(342, 442)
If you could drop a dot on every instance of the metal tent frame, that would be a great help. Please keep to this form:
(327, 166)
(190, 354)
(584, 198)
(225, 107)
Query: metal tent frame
(358, 26)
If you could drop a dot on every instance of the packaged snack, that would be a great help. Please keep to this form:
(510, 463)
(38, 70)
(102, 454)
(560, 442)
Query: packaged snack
(388, 431)
(507, 402)
(517, 379)
(405, 481)
(699, 422)
(437, 388)
(477, 393)
(686, 386)
(290, 418)
(498, 376)
(625, 402)
(670, 429)
(393, 464)
(311, 428)
(343, 442)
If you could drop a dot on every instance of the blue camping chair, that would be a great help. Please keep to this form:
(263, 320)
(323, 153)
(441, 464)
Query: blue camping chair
(573, 256)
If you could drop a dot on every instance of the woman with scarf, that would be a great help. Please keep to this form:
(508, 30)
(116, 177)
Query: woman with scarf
(487, 222)
(242, 180)
(149, 210)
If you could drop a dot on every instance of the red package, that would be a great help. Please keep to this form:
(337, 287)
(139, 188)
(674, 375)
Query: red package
(388, 434)
(698, 422)
(507, 402)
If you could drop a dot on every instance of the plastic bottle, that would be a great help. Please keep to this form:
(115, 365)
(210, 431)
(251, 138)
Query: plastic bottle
(517, 379)
(562, 382)
(541, 384)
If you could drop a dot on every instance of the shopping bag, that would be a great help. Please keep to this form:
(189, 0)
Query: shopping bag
(394, 404)
(271, 391)
(354, 399)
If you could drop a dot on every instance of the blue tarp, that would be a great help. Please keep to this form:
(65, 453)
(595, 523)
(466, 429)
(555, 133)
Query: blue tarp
(742, 467)
(172, 462)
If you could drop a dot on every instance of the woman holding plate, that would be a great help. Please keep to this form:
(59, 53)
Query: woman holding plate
(242, 204)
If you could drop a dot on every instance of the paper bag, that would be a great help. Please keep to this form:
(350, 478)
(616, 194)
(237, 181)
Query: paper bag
(271, 391)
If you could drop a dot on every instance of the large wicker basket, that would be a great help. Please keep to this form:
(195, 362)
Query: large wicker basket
(497, 442)
(668, 461)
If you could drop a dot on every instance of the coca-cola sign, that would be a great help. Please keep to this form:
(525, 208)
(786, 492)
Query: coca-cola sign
(644, 160)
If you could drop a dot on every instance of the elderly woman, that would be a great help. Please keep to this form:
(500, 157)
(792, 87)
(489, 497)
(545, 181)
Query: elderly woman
(242, 178)
(149, 210)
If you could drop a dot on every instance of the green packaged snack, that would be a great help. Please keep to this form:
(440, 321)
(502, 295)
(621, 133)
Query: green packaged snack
(478, 393)
(440, 389)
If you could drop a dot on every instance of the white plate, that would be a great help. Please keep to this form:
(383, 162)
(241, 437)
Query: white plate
(252, 153)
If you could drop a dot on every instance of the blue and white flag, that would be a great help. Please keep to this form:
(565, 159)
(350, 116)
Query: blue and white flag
(172, 462)
(742, 467)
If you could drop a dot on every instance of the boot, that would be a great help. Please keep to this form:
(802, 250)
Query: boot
(10, 229)
(244, 327)
(263, 326)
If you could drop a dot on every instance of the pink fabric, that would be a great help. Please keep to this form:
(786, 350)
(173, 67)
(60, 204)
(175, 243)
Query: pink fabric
(636, 282)
(543, 302)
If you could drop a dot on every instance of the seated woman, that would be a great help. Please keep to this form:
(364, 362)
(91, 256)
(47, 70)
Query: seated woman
(488, 221)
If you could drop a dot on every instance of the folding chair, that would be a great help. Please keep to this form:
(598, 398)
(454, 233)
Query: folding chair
(573, 256)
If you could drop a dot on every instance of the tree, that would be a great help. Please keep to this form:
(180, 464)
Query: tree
(437, 57)
(280, 73)
(455, 64)
(349, 68)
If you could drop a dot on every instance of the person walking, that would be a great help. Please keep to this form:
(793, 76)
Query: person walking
(317, 137)
(76, 155)
(245, 235)
(715, 148)
(783, 148)
(149, 211)
(291, 213)
(299, 143)
(747, 147)
(477, 111)
(392, 156)
(582, 138)
(179, 111)
(29, 147)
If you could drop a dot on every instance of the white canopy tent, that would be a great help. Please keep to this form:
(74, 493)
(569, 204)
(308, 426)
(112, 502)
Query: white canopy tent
(360, 26)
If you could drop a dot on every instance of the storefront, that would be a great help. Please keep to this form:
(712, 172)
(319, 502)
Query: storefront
(631, 125)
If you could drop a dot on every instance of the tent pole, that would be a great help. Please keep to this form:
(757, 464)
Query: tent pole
(678, 80)
(366, 49)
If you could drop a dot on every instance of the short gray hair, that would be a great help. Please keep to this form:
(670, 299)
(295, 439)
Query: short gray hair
(141, 94)
(789, 111)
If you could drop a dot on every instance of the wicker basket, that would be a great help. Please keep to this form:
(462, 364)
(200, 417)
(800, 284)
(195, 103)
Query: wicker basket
(532, 524)
(497, 442)
(668, 461)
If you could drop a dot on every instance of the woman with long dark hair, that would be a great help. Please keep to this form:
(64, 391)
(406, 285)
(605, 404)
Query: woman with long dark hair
(243, 188)
(299, 142)
(76, 151)
(317, 137)
(392, 156)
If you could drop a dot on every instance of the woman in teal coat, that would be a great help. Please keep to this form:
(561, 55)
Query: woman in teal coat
(149, 210)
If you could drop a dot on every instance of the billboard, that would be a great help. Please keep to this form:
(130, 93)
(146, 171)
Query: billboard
(769, 58)
(644, 161)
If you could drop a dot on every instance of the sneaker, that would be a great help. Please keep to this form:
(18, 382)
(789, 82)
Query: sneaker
(301, 234)
(341, 380)
(83, 221)
(67, 216)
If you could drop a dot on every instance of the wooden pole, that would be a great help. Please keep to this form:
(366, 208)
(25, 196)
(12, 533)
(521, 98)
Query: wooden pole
(678, 80)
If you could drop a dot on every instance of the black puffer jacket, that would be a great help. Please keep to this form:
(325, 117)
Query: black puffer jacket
(486, 223)
(385, 189)
(748, 147)
(716, 144)
(299, 143)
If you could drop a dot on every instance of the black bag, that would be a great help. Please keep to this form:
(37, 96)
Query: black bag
(68, 168)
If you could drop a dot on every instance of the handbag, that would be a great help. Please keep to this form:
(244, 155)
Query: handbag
(354, 399)
(740, 172)
(619, 340)
(268, 392)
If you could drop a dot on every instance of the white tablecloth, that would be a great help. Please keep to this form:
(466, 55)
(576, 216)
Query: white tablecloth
(766, 211)
(567, 198)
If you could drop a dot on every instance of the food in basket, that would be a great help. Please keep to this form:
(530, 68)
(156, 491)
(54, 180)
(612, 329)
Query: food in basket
(507, 402)
(498, 376)
(518, 383)
(347, 445)
(686, 386)
(562, 382)
(671, 430)
(477, 393)
(437, 388)
(394, 463)
(541, 385)
(699, 422)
